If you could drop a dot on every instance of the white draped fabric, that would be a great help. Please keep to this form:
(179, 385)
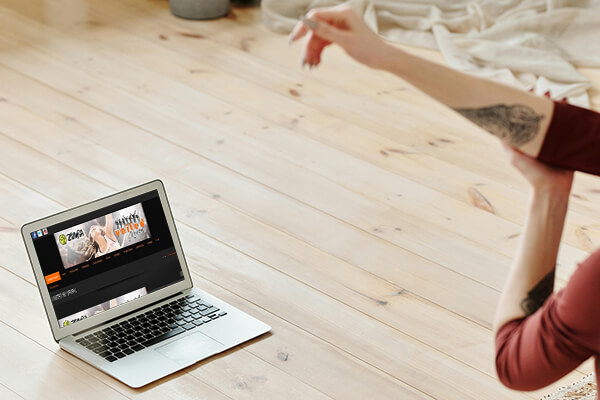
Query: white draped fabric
(530, 44)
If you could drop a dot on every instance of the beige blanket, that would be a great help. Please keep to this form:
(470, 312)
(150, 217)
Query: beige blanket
(530, 44)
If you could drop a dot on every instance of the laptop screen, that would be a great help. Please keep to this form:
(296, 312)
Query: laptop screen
(100, 260)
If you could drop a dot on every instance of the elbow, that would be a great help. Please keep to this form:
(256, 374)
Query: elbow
(510, 376)
(510, 368)
(503, 371)
(504, 374)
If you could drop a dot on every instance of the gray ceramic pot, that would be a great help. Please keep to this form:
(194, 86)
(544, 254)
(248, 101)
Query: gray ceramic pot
(199, 9)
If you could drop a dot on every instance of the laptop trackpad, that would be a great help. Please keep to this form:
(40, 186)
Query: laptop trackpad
(190, 349)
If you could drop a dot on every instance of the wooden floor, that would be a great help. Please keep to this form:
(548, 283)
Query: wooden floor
(370, 227)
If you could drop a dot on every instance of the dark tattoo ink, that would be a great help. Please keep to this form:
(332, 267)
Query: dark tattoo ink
(538, 295)
(517, 124)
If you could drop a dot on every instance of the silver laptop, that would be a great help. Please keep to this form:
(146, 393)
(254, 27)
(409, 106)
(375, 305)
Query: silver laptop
(118, 292)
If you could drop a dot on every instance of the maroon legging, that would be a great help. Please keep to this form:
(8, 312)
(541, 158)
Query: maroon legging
(535, 351)
(573, 139)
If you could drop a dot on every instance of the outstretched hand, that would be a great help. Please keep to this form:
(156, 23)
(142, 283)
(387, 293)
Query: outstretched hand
(343, 26)
(538, 174)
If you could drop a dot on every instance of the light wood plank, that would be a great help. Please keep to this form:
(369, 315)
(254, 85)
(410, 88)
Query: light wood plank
(37, 199)
(8, 394)
(381, 352)
(285, 187)
(479, 266)
(568, 255)
(29, 131)
(367, 84)
(51, 373)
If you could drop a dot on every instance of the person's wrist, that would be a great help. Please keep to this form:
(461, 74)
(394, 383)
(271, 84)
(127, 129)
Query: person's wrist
(559, 186)
(553, 192)
(388, 57)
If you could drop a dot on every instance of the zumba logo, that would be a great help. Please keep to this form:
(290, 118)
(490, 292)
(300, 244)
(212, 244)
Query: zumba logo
(63, 239)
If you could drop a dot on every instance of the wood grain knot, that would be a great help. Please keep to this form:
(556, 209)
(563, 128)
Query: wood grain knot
(191, 35)
(584, 238)
(245, 44)
(578, 196)
(479, 200)
(400, 151)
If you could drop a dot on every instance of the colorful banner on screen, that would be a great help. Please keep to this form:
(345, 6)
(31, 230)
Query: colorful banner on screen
(102, 235)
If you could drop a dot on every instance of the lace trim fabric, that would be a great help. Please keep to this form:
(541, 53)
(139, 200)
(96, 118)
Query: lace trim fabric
(585, 389)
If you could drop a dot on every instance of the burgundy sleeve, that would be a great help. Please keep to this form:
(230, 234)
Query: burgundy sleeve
(573, 139)
(535, 351)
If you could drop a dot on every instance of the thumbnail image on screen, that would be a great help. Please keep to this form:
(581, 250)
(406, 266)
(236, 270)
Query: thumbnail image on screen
(102, 235)
(81, 315)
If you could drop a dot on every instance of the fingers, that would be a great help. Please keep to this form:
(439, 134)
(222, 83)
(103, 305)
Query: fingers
(321, 28)
(328, 32)
(299, 30)
(513, 155)
(511, 151)
(518, 159)
(321, 35)
(332, 20)
(505, 145)
(324, 26)
(314, 45)
(314, 49)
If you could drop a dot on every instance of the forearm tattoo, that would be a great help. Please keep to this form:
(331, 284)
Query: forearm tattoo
(538, 295)
(517, 124)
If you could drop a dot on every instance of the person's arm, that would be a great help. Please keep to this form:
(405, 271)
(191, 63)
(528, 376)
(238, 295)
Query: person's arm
(531, 278)
(518, 118)
(109, 228)
(535, 344)
(534, 351)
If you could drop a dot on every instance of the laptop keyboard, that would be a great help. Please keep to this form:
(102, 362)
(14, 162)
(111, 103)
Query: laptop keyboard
(147, 329)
